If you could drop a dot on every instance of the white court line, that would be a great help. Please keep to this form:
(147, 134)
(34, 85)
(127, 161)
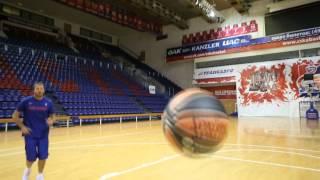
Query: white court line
(266, 163)
(105, 137)
(163, 143)
(273, 151)
(292, 135)
(273, 147)
(144, 165)
(128, 134)
(87, 139)
(88, 146)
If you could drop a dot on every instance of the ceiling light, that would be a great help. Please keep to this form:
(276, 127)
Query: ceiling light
(212, 14)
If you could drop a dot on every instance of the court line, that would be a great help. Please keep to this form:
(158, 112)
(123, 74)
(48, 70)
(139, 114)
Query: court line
(266, 163)
(292, 135)
(108, 145)
(273, 151)
(164, 143)
(103, 137)
(87, 139)
(274, 147)
(144, 165)
(149, 131)
(148, 164)
(88, 146)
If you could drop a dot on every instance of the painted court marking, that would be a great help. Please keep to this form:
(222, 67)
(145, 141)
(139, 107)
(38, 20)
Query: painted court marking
(144, 165)
(273, 147)
(87, 139)
(88, 146)
(148, 164)
(266, 163)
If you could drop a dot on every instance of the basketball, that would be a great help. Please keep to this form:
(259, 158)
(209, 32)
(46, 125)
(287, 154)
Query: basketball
(195, 122)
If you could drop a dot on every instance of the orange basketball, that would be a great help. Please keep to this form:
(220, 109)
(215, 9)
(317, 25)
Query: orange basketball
(195, 122)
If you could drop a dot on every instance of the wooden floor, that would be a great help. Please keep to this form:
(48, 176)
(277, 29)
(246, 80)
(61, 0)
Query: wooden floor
(256, 148)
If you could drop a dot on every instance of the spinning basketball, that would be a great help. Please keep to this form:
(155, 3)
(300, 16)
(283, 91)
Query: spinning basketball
(195, 122)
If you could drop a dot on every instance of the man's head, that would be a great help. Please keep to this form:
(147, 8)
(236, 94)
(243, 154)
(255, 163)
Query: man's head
(38, 90)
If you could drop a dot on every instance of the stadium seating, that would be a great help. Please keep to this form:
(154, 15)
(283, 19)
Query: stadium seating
(82, 85)
(225, 32)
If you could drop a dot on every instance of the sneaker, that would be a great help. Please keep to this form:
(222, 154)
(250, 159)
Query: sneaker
(40, 177)
(26, 174)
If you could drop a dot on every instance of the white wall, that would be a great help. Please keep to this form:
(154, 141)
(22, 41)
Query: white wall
(182, 72)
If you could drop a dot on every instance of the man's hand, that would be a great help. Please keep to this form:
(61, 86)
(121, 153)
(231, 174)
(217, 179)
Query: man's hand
(50, 121)
(25, 130)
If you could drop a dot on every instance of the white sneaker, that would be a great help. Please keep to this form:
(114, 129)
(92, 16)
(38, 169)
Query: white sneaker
(26, 174)
(40, 177)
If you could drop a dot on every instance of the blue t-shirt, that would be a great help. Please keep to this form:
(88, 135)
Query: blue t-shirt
(35, 115)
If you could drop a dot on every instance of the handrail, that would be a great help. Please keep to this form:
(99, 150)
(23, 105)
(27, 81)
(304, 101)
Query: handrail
(128, 51)
(67, 119)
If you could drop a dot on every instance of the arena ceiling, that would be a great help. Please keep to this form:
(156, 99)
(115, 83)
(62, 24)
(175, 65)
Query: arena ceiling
(182, 8)
(180, 11)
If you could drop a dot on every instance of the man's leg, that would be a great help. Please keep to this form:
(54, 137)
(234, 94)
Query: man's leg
(31, 155)
(42, 155)
(29, 164)
(41, 164)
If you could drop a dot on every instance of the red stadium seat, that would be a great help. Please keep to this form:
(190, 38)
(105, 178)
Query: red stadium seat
(212, 34)
(227, 31)
(125, 18)
(191, 38)
(220, 33)
(101, 10)
(198, 37)
(79, 4)
(139, 24)
(107, 8)
(235, 29)
(94, 7)
(253, 26)
(120, 16)
(243, 29)
(205, 36)
(87, 5)
(114, 15)
(71, 2)
(184, 39)
(130, 20)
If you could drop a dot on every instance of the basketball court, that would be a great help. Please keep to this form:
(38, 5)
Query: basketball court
(271, 148)
(110, 70)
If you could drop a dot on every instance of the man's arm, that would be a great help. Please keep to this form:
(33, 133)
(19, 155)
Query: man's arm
(15, 117)
(51, 119)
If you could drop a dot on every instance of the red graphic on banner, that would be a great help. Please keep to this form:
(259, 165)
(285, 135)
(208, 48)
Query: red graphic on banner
(259, 85)
(297, 72)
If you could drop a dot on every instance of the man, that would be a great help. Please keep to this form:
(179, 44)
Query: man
(38, 115)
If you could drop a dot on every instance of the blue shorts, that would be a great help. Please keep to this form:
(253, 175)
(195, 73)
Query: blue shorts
(36, 148)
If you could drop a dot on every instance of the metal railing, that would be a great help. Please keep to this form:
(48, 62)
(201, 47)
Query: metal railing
(67, 119)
